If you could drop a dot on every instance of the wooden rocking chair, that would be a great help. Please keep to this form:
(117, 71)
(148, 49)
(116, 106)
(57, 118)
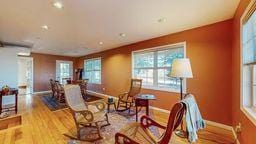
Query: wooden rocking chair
(126, 100)
(85, 114)
(138, 133)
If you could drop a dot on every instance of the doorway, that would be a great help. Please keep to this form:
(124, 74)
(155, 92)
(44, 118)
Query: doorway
(25, 75)
(64, 71)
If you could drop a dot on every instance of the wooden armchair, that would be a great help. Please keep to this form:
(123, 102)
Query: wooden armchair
(85, 114)
(126, 100)
(138, 133)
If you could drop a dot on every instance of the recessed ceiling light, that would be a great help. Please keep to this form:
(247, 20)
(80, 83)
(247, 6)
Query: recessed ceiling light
(122, 34)
(58, 5)
(101, 43)
(161, 20)
(45, 27)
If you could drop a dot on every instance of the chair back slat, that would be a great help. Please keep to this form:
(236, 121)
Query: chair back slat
(74, 98)
(135, 87)
(175, 118)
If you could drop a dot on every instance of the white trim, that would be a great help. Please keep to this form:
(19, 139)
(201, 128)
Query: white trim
(168, 46)
(161, 89)
(42, 92)
(251, 115)
(247, 111)
(101, 94)
(32, 70)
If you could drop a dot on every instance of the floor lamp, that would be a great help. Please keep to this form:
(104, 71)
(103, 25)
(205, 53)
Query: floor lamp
(181, 69)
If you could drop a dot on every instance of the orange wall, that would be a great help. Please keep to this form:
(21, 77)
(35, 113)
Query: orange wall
(248, 135)
(209, 49)
(44, 69)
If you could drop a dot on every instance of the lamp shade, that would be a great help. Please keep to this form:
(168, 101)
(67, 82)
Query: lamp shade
(181, 68)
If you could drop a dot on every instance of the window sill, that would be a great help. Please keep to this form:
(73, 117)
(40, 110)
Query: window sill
(250, 113)
(161, 89)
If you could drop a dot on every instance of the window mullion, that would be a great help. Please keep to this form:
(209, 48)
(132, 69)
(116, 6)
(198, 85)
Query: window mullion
(155, 71)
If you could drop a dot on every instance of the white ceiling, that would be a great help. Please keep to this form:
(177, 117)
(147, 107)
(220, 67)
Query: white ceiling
(78, 28)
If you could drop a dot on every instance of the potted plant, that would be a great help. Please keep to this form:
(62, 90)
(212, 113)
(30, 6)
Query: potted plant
(5, 89)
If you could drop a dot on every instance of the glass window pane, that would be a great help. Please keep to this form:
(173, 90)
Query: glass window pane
(93, 70)
(143, 60)
(166, 57)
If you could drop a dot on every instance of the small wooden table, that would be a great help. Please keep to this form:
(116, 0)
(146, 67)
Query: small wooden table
(142, 100)
(111, 103)
(12, 91)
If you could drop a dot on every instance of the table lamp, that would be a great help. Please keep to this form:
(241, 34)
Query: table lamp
(181, 69)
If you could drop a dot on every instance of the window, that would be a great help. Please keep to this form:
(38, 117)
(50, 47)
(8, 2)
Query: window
(248, 61)
(153, 65)
(92, 69)
(64, 70)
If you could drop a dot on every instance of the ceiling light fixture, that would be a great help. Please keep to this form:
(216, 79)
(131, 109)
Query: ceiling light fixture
(161, 20)
(58, 5)
(45, 27)
(101, 43)
(122, 34)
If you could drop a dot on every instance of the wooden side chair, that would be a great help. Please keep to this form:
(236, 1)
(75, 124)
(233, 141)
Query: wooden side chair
(53, 88)
(138, 133)
(126, 100)
(60, 92)
(85, 114)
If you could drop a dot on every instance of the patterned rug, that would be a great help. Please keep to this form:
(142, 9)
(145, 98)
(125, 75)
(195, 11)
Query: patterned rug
(54, 105)
(117, 121)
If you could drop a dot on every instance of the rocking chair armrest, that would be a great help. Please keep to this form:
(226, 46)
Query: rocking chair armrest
(122, 95)
(147, 122)
(100, 105)
(88, 115)
(124, 139)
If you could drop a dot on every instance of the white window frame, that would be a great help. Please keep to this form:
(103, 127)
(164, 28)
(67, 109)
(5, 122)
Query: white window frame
(246, 96)
(58, 69)
(169, 46)
(92, 59)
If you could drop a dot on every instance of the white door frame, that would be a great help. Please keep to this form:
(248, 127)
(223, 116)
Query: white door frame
(64, 61)
(32, 70)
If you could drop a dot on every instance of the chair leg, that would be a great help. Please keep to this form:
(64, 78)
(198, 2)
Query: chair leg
(98, 130)
(129, 108)
(118, 103)
(78, 133)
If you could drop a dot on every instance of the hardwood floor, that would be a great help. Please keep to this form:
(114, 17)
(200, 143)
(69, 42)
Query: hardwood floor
(40, 125)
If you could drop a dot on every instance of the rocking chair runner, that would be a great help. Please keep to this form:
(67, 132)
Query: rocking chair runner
(137, 133)
(126, 100)
(85, 114)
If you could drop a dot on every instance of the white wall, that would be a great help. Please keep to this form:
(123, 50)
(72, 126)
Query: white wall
(9, 70)
(9, 67)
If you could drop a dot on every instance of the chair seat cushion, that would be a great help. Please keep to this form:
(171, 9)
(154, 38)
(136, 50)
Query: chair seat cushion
(138, 133)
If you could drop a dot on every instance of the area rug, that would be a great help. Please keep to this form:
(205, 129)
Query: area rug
(117, 121)
(53, 104)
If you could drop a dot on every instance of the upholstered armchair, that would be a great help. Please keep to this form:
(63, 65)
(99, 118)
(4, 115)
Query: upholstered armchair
(138, 133)
(126, 100)
(85, 114)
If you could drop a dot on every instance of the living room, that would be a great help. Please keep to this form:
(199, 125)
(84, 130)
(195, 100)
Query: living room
(135, 61)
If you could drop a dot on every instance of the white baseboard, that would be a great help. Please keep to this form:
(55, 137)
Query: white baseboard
(42, 92)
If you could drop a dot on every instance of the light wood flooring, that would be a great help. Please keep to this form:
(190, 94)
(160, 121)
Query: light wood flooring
(42, 126)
